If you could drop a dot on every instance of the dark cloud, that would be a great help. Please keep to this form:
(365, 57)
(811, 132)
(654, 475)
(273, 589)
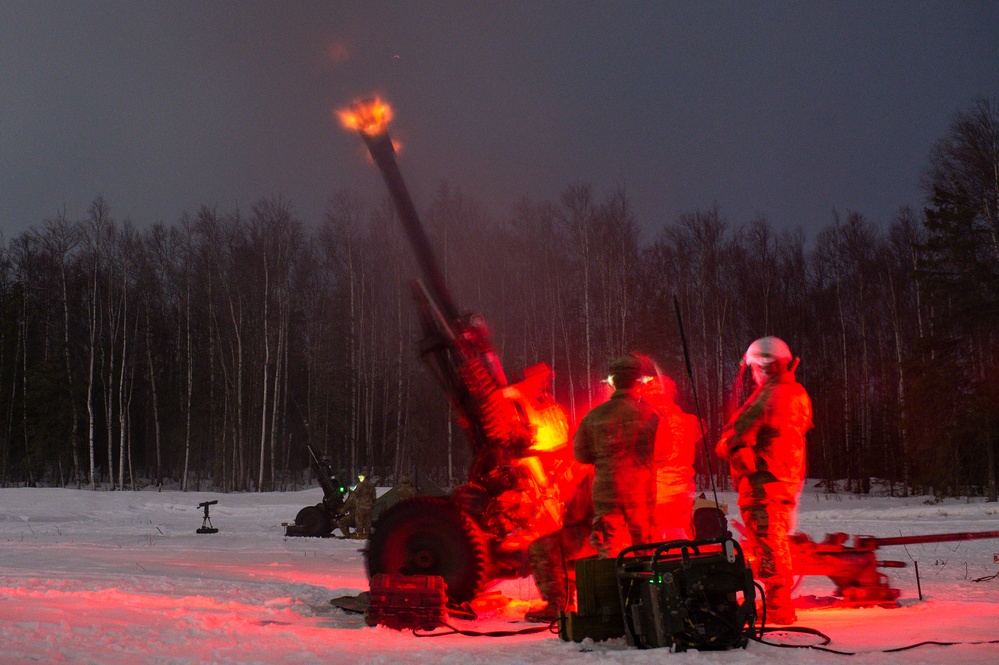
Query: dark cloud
(785, 109)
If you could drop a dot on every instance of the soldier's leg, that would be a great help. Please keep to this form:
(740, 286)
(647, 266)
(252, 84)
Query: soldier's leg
(545, 557)
(640, 527)
(672, 519)
(344, 524)
(363, 521)
(766, 526)
(575, 545)
(783, 577)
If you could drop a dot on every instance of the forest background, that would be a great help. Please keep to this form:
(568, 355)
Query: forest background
(207, 353)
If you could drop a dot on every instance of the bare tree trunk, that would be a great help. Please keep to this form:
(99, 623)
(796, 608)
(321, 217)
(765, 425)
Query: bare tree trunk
(189, 393)
(25, 397)
(4, 464)
(903, 413)
(990, 460)
(122, 414)
(127, 426)
(278, 377)
(108, 373)
(399, 383)
(354, 414)
(282, 416)
(155, 399)
(844, 362)
(267, 361)
(66, 239)
(865, 404)
(236, 316)
(92, 361)
(368, 361)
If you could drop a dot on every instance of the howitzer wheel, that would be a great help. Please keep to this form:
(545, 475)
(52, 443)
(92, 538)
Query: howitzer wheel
(314, 520)
(430, 536)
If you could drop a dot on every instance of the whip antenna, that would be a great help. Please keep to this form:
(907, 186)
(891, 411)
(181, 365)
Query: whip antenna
(697, 408)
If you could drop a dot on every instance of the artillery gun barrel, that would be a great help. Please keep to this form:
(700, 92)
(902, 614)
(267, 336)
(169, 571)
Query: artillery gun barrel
(383, 152)
(478, 533)
(935, 538)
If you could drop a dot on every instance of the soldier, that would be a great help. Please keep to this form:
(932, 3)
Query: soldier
(764, 443)
(349, 516)
(676, 446)
(618, 439)
(405, 490)
(551, 556)
(365, 493)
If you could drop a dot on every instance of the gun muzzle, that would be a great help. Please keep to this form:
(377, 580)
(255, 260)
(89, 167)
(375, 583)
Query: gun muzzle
(370, 118)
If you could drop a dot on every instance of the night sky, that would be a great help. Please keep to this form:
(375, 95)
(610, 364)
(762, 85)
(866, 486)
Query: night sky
(790, 110)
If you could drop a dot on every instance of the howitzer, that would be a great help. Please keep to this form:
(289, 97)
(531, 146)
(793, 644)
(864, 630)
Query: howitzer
(319, 520)
(481, 531)
(854, 569)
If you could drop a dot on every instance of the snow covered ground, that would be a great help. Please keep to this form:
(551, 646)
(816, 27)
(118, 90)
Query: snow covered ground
(122, 577)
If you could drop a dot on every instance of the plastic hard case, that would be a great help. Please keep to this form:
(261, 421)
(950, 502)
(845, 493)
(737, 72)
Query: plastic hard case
(407, 601)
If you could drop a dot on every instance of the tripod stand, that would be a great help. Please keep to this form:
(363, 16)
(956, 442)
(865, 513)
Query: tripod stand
(206, 524)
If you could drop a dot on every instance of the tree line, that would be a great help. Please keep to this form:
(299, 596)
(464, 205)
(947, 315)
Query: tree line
(208, 352)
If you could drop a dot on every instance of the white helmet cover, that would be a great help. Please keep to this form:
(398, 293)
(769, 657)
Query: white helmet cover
(766, 351)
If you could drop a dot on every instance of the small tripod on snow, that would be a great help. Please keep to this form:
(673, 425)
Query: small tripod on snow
(206, 524)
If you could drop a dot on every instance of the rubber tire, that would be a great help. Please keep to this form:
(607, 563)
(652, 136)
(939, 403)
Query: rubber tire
(315, 520)
(430, 536)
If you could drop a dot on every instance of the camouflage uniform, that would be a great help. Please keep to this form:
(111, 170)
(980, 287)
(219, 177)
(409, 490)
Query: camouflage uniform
(349, 515)
(618, 439)
(551, 556)
(765, 446)
(676, 445)
(365, 493)
(405, 490)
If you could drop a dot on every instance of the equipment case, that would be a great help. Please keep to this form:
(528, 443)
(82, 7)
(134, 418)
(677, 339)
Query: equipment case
(687, 594)
(598, 607)
(406, 601)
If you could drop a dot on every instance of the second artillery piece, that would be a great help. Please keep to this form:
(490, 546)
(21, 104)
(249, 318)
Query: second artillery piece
(481, 531)
(854, 568)
(320, 519)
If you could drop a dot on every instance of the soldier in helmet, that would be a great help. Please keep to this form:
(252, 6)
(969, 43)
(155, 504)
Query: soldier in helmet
(676, 446)
(405, 489)
(365, 495)
(764, 444)
(618, 439)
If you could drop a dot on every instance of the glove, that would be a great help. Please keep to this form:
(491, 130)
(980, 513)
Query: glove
(722, 447)
(743, 462)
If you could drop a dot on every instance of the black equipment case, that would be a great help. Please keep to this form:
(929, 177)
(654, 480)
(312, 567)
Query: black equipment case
(407, 601)
(687, 594)
(598, 610)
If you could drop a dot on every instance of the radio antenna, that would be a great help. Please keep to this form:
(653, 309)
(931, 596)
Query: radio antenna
(697, 409)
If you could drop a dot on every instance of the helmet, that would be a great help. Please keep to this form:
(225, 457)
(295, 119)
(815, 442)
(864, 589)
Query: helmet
(767, 357)
(766, 351)
(626, 370)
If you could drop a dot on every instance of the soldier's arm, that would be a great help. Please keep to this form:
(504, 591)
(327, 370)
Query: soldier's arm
(747, 423)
